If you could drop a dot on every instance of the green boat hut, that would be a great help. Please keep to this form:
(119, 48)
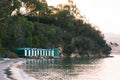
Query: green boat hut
(38, 52)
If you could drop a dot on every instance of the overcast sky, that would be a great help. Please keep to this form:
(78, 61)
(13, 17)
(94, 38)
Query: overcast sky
(103, 13)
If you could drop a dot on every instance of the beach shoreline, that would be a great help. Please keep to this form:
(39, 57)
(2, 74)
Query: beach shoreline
(9, 70)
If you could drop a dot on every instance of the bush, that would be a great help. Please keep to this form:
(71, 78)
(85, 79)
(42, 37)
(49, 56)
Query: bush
(7, 54)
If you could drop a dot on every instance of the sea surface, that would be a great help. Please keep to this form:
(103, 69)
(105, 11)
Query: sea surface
(74, 69)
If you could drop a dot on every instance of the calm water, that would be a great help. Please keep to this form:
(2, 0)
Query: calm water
(74, 69)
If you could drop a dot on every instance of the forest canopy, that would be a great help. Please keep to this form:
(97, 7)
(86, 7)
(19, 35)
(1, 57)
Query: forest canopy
(43, 26)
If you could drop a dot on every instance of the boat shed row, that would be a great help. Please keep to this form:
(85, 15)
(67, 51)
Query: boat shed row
(37, 52)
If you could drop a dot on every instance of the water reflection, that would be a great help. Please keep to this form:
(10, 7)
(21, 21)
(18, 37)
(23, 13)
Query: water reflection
(74, 69)
(110, 68)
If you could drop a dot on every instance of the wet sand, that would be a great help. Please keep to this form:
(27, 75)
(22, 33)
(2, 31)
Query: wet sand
(4, 65)
(10, 71)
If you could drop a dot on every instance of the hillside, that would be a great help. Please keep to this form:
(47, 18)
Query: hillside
(115, 38)
(44, 26)
(111, 37)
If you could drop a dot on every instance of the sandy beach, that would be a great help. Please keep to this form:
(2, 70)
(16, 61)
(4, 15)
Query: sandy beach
(4, 65)
(10, 71)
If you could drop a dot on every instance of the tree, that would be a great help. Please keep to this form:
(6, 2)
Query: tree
(47, 26)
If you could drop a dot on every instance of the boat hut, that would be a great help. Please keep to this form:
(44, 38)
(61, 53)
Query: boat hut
(37, 52)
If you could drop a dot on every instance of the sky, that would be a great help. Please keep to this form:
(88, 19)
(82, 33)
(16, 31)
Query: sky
(103, 13)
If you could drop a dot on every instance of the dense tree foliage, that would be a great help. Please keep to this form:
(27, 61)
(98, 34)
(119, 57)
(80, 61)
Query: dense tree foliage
(47, 26)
